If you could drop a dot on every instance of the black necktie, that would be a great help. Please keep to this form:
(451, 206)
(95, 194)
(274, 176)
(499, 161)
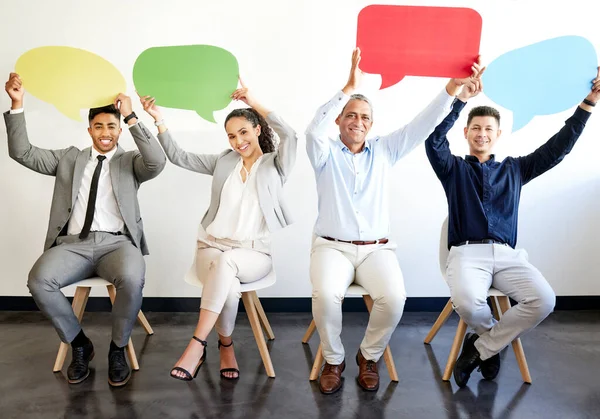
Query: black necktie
(89, 213)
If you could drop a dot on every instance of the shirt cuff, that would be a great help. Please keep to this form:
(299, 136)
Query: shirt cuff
(14, 111)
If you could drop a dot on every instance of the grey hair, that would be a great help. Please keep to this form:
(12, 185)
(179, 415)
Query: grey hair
(358, 96)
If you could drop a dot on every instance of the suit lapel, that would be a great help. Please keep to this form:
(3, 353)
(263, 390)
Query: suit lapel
(80, 163)
(115, 171)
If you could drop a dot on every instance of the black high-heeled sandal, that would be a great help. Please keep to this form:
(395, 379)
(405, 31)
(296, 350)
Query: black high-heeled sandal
(188, 376)
(224, 370)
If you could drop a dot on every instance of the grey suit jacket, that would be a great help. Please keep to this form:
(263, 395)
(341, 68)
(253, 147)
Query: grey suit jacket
(128, 169)
(270, 176)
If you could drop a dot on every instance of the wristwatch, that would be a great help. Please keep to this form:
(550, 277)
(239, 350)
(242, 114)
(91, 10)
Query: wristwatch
(129, 117)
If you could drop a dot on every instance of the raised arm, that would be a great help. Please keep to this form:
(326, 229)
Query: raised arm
(19, 149)
(288, 140)
(317, 141)
(201, 163)
(404, 140)
(151, 160)
(436, 145)
(559, 145)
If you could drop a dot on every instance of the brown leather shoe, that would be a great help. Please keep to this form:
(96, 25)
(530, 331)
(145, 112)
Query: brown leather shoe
(331, 378)
(368, 376)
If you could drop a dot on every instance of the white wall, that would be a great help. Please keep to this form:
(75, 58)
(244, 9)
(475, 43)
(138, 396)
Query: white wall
(295, 55)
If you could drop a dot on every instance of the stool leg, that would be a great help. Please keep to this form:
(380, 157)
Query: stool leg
(497, 313)
(461, 330)
(264, 321)
(145, 324)
(387, 353)
(79, 302)
(310, 331)
(446, 312)
(112, 294)
(314, 372)
(516, 345)
(258, 334)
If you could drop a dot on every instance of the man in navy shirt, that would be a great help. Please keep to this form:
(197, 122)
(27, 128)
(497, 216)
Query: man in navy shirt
(483, 202)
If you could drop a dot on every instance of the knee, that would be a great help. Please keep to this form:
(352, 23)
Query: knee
(467, 304)
(37, 282)
(327, 296)
(131, 283)
(392, 301)
(543, 304)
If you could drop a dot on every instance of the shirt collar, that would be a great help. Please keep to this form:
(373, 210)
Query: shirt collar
(343, 147)
(108, 155)
(476, 160)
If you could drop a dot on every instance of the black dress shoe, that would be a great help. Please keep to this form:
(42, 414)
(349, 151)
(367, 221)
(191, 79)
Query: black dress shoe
(118, 370)
(490, 367)
(79, 367)
(467, 361)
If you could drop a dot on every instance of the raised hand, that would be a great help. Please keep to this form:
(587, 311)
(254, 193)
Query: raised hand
(473, 86)
(149, 105)
(243, 94)
(594, 95)
(123, 104)
(15, 90)
(356, 73)
(476, 71)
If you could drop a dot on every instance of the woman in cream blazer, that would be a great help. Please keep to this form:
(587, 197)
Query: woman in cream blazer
(246, 207)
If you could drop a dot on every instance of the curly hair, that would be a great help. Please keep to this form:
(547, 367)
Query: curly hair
(265, 139)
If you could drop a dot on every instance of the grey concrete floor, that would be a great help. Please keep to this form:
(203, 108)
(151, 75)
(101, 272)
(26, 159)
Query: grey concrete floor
(563, 355)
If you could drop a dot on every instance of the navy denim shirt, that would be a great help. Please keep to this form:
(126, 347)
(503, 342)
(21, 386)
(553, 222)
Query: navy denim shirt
(483, 198)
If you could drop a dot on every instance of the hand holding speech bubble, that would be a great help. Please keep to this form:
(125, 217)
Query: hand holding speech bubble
(69, 78)
(543, 78)
(194, 77)
(399, 41)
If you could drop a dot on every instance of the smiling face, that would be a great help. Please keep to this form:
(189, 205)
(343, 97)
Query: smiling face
(481, 134)
(355, 121)
(105, 129)
(243, 137)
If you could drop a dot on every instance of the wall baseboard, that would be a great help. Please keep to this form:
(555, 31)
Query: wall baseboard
(285, 305)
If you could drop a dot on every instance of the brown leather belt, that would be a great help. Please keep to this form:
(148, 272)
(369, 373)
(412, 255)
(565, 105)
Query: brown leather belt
(358, 242)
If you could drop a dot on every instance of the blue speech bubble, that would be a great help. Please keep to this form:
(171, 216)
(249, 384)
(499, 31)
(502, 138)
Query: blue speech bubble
(543, 78)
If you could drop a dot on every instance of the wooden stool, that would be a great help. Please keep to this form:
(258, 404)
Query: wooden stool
(80, 298)
(500, 304)
(354, 290)
(256, 313)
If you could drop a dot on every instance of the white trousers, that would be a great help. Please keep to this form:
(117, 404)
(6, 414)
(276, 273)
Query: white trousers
(472, 269)
(334, 266)
(222, 267)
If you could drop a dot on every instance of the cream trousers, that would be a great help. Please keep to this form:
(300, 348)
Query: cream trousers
(222, 265)
(334, 266)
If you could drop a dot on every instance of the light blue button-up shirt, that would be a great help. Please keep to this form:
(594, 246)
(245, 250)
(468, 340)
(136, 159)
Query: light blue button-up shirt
(352, 188)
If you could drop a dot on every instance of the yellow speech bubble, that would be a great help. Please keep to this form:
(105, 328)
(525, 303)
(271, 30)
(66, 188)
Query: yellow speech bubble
(69, 78)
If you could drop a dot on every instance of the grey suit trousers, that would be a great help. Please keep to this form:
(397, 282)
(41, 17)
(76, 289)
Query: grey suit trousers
(111, 257)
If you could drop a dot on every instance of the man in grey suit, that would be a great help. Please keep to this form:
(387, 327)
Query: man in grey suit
(95, 224)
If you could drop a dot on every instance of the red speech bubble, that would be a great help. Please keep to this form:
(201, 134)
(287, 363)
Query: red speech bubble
(399, 41)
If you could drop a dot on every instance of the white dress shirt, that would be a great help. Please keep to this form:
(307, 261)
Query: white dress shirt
(352, 188)
(239, 216)
(107, 216)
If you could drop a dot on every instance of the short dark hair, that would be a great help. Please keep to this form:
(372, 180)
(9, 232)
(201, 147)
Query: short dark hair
(483, 111)
(104, 109)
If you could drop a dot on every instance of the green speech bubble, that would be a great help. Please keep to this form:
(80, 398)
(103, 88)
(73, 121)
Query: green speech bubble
(195, 77)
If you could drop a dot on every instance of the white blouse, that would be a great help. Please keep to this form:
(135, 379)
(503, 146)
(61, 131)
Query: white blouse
(239, 216)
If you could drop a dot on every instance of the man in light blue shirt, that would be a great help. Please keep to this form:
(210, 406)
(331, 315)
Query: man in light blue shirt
(351, 233)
